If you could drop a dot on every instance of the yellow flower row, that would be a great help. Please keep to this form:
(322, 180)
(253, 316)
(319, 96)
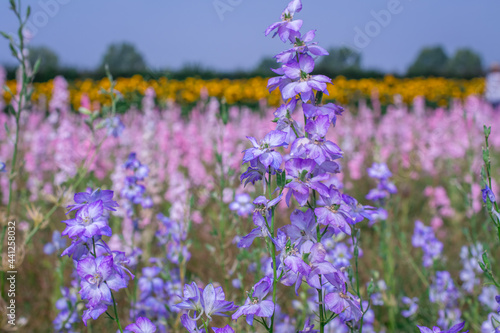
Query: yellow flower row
(435, 90)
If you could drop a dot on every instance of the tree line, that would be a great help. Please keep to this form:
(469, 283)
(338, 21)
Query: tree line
(125, 60)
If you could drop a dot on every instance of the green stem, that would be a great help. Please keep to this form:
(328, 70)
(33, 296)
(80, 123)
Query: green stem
(117, 319)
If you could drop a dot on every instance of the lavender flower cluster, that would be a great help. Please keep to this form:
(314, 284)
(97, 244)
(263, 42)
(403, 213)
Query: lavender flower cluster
(100, 270)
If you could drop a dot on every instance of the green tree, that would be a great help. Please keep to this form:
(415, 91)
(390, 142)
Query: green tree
(431, 61)
(123, 58)
(465, 63)
(340, 60)
(49, 61)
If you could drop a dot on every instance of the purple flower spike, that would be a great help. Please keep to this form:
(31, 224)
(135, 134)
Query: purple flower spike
(142, 325)
(255, 304)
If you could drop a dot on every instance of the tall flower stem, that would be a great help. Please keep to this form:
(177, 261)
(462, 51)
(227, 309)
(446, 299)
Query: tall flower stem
(117, 319)
(24, 97)
(273, 255)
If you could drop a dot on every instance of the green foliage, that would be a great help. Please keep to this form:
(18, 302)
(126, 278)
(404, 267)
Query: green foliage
(339, 60)
(430, 61)
(465, 63)
(49, 61)
(123, 58)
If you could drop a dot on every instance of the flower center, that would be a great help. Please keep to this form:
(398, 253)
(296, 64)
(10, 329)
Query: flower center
(344, 296)
(87, 220)
(333, 208)
(96, 279)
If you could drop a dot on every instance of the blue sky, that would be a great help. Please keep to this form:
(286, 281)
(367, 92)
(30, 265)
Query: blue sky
(172, 33)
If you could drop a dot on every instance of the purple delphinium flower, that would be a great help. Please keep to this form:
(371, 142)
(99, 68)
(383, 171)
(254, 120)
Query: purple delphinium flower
(423, 236)
(264, 151)
(299, 171)
(330, 110)
(114, 126)
(357, 211)
(190, 324)
(335, 213)
(191, 300)
(317, 263)
(89, 222)
(412, 304)
(379, 171)
(209, 301)
(320, 150)
(68, 315)
(255, 304)
(150, 281)
(303, 83)
(302, 227)
(385, 188)
(261, 230)
(57, 243)
(487, 193)
(94, 312)
(308, 327)
(142, 325)
(301, 45)
(84, 198)
(455, 329)
(242, 204)
(225, 329)
(287, 29)
(98, 279)
(344, 304)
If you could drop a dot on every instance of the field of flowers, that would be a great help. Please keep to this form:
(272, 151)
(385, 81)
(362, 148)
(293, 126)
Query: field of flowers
(288, 214)
(437, 91)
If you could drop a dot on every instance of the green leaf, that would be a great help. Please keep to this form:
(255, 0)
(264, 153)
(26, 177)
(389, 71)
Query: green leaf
(483, 267)
(486, 261)
(371, 288)
(486, 155)
(487, 131)
(36, 66)
(5, 35)
(28, 12)
(6, 128)
(278, 179)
